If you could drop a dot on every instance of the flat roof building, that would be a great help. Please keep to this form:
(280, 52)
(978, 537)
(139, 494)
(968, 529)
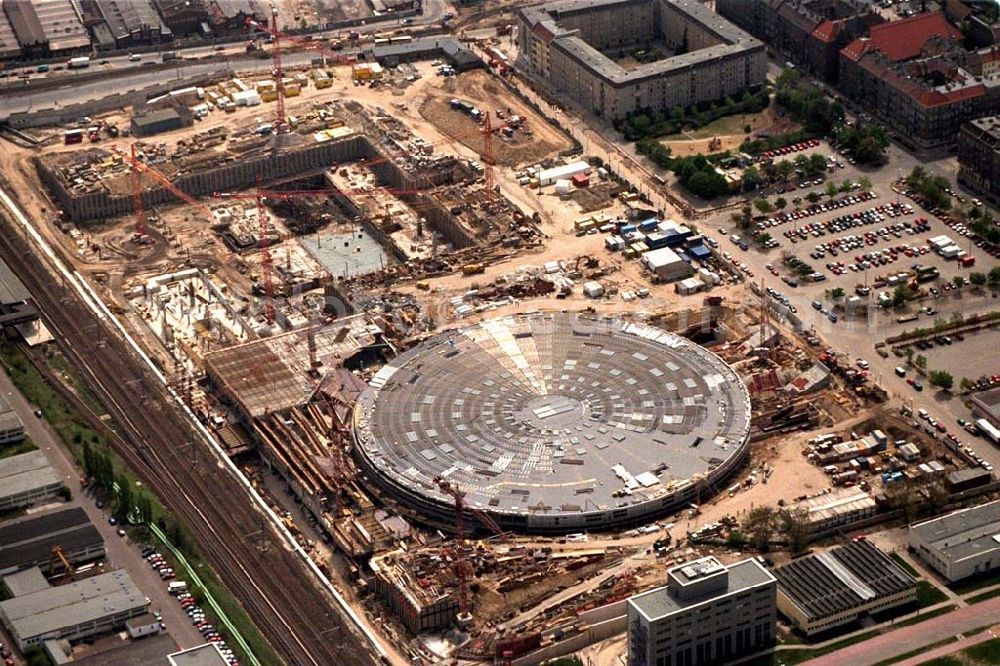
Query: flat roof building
(986, 405)
(208, 654)
(961, 544)
(666, 265)
(25, 479)
(11, 427)
(708, 612)
(77, 610)
(825, 590)
(163, 120)
(579, 46)
(29, 542)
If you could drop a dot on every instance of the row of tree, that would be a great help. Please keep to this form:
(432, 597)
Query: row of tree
(128, 504)
(651, 123)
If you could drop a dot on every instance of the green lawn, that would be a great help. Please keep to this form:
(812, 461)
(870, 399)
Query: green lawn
(898, 559)
(987, 652)
(16, 448)
(74, 429)
(928, 595)
(984, 596)
(945, 661)
(925, 616)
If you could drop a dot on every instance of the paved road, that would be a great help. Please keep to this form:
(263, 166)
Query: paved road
(950, 648)
(120, 553)
(908, 639)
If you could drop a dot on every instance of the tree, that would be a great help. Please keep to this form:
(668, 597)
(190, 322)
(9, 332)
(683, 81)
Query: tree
(816, 164)
(744, 217)
(812, 197)
(784, 169)
(837, 293)
(903, 496)
(920, 361)
(958, 282)
(994, 277)
(846, 186)
(763, 205)
(899, 295)
(780, 203)
(795, 525)
(751, 178)
(942, 379)
(957, 317)
(760, 525)
(865, 182)
(965, 384)
(831, 189)
(909, 355)
(977, 279)
(123, 505)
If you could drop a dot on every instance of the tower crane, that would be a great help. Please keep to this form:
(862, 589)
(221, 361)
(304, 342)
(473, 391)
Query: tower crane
(460, 567)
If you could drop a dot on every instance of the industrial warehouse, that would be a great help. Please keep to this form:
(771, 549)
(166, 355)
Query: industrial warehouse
(825, 590)
(962, 544)
(553, 423)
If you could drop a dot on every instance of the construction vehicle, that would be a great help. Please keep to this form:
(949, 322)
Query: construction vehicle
(58, 557)
(713, 301)
(473, 269)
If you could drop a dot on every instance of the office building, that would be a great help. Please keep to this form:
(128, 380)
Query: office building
(707, 613)
(26, 479)
(822, 591)
(604, 55)
(961, 544)
(84, 608)
(202, 655)
(30, 541)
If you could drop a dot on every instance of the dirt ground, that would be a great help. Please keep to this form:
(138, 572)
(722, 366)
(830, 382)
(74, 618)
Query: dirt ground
(489, 95)
(728, 130)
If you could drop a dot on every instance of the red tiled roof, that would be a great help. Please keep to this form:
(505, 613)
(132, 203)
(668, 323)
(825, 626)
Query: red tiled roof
(936, 98)
(826, 31)
(902, 40)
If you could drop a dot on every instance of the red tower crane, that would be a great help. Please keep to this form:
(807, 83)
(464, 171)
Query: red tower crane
(461, 572)
(140, 167)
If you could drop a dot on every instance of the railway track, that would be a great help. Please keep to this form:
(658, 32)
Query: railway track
(297, 617)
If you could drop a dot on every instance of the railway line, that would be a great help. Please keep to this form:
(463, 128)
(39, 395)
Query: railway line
(297, 617)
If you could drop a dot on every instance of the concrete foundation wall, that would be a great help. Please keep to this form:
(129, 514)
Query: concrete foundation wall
(593, 634)
(100, 205)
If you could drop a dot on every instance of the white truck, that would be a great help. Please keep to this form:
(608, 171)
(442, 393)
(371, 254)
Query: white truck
(989, 431)
(78, 63)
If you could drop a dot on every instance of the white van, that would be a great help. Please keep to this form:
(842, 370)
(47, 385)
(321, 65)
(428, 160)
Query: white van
(177, 587)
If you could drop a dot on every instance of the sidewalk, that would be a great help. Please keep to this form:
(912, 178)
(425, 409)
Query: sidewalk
(912, 637)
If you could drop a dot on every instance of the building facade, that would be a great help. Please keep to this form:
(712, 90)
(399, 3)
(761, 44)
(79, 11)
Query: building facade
(979, 167)
(26, 479)
(87, 607)
(810, 33)
(962, 544)
(707, 613)
(917, 77)
(570, 44)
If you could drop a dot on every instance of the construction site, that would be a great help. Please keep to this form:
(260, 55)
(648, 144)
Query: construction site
(486, 423)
